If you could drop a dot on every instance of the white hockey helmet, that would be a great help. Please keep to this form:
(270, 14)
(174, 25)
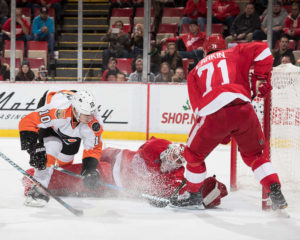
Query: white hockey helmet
(172, 158)
(84, 103)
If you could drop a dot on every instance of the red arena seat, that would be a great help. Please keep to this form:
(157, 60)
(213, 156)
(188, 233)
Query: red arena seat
(172, 15)
(121, 14)
(124, 65)
(38, 49)
(19, 49)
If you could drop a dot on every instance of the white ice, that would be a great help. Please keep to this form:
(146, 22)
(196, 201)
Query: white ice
(239, 216)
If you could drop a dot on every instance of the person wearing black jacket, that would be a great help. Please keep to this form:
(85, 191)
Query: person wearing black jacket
(244, 25)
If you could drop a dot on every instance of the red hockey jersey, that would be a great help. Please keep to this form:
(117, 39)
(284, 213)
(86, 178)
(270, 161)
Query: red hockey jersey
(191, 42)
(292, 24)
(225, 8)
(223, 76)
(195, 10)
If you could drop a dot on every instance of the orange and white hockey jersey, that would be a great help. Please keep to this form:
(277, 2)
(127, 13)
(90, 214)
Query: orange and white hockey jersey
(57, 114)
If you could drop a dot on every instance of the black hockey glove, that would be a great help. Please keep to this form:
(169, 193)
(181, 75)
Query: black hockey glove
(192, 199)
(91, 175)
(38, 156)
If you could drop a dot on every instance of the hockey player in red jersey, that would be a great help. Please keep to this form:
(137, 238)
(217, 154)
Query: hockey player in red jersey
(220, 95)
(156, 168)
(52, 135)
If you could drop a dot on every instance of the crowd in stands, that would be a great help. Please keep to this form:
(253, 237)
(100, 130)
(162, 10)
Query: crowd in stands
(180, 51)
(33, 23)
(177, 33)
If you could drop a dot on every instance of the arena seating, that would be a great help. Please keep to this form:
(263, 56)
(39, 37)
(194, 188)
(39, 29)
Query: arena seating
(38, 49)
(20, 50)
(166, 30)
(121, 14)
(172, 15)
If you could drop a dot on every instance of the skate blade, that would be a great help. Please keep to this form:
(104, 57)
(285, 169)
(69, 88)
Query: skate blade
(30, 202)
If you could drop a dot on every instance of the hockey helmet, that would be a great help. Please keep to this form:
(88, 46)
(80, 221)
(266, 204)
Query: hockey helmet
(84, 103)
(172, 158)
(214, 43)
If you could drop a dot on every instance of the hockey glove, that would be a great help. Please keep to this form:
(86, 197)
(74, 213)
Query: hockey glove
(38, 156)
(261, 84)
(91, 175)
(212, 192)
(264, 89)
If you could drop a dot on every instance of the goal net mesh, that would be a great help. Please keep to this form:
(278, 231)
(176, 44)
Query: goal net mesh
(285, 130)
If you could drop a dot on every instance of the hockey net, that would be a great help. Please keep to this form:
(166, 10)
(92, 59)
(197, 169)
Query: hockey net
(280, 114)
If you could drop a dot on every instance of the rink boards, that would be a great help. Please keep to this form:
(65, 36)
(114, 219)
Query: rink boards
(132, 111)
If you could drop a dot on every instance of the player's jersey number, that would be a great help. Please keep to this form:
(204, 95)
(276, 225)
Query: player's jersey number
(210, 71)
(44, 118)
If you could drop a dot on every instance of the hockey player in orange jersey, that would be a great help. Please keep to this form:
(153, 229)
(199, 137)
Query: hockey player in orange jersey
(156, 168)
(52, 135)
(220, 94)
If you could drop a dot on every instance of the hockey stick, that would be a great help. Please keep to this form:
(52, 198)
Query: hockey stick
(76, 212)
(161, 200)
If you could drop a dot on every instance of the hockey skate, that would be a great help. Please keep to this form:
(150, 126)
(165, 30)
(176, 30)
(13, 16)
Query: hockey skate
(277, 198)
(35, 198)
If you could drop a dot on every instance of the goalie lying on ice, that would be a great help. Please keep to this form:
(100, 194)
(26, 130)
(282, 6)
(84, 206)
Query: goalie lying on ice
(156, 168)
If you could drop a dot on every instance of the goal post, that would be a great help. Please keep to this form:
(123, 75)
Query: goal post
(279, 115)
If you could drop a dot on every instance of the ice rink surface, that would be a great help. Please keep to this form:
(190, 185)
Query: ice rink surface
(238, 218)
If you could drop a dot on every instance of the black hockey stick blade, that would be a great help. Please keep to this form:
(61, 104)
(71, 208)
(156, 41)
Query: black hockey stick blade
(76, 212)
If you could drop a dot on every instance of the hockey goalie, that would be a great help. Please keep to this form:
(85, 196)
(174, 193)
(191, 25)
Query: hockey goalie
(156, 168)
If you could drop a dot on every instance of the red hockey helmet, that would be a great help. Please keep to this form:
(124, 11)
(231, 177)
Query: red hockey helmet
(214, 43)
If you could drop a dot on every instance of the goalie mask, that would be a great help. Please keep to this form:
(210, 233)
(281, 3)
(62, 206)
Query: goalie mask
(83, 102)
(214, 43)
(172, 158)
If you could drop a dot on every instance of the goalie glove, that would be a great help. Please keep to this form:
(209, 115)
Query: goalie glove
(212, 192)
(91, 175)
(261, 84)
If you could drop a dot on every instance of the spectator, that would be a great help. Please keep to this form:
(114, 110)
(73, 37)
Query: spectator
(111, 67)
(22, 28)
(175, 79)
(171, 56)
(111, 76)
(121, 77)
(278, 18)
(292, 23)
(165, 74)
(283, 51)
(25, 73)
(42, 74)
(286, 59)
(4, 12)
(118, 43)
(193, 42)
(4, 72)
(137, 40)
(51, 4)
(43, 29)
(155, 58)
(137, 76)
(179, 73)
(195, 10)
(244, 25)
(224, 11)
